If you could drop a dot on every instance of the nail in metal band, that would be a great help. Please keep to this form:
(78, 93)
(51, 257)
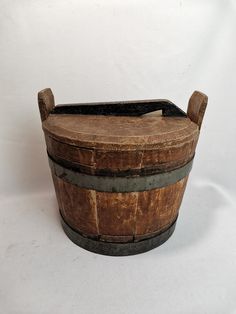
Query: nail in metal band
(119, 184)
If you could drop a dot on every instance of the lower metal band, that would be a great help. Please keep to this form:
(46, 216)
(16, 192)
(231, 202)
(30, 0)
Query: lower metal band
(117, 249)
(119, 184)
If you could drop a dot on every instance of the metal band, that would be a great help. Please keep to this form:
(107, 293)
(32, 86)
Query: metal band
(119, 184)
(117, 249)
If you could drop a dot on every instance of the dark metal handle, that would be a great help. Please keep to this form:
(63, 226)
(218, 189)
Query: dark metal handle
(118, 108)
(126, 108)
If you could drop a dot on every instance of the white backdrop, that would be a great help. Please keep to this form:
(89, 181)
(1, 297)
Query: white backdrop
(91, 50)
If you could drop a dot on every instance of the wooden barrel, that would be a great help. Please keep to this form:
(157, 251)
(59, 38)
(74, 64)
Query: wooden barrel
(119, 170)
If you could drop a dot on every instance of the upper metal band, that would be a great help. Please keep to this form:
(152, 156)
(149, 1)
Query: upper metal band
(119, 184)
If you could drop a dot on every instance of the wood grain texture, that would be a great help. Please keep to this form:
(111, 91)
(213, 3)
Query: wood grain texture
(45, 102)
(196, 107)
(116, 213)
(154, 143)
(117, 132)
(78, 206)
(157, 209)
(120, 145)
(119, 217)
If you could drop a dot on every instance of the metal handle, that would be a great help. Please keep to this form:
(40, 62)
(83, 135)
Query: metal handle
(118, 108)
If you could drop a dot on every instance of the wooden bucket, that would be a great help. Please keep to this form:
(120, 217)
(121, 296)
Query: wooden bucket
(120, 172)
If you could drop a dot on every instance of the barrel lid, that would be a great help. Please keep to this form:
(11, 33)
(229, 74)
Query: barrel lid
(129, 132)
(127, 125)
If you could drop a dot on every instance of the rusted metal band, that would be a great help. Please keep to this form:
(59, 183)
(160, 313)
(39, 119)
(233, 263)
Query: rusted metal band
(119, 184)
(117, 249)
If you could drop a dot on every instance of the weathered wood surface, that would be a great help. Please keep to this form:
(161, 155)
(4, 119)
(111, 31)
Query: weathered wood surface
(100, 144)
(119, 216)
(45, 102)
(109, 145)
(196, 107)
(111, 132)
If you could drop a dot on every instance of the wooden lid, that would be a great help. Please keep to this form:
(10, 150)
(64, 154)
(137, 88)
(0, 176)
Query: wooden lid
(102, 138)
(119, 131)
(121, 125)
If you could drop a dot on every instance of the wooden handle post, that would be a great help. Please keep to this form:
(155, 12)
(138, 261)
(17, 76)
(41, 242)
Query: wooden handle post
(196, 107)
(46, 102)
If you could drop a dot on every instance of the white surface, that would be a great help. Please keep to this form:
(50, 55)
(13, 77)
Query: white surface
(116, 50)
